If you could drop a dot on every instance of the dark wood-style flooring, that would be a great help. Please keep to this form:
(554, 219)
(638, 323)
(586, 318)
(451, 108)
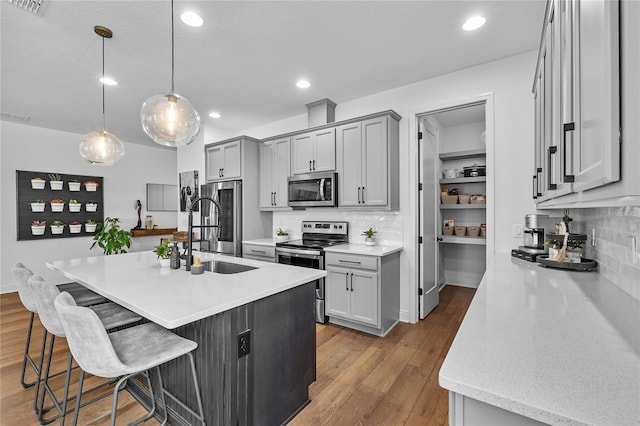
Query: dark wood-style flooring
(362, 379)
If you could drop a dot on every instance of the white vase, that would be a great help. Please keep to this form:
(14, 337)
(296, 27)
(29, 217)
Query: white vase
(37, 230)
(165, 263)
(57, 207)
(91, 207)
(282, 238)
(56, 185)
(370, 241)
(75, 207)
(37, 183)
(37, 207)
(75, 229)
(56, 230)
(90, 187)
(74, 186)
(90, 227)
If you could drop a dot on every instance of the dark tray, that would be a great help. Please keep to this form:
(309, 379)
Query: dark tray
(586, 265)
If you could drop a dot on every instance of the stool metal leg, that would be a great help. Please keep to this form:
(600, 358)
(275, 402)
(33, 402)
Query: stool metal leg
(197, 388)
(76, 411)
(200, 414)
(27, 357)
(39, 369)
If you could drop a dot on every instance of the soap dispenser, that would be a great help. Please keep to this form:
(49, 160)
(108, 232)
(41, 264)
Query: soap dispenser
(175, 257)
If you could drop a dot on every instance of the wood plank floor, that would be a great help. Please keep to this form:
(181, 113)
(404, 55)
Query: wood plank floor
(362, 379)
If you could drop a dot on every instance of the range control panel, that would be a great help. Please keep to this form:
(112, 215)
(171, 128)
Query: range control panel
(340, 228)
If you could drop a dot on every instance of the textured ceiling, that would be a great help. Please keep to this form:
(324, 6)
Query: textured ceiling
(246, 58)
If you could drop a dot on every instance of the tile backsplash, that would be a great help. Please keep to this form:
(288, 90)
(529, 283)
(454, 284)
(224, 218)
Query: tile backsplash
(387, 224)
(617, 243)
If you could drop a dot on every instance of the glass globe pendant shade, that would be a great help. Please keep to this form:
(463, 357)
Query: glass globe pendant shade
(170, 120)
(101, 148)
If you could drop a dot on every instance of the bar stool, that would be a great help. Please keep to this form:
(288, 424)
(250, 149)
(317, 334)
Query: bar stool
(125, 353)
(81, 295)
(111, 316)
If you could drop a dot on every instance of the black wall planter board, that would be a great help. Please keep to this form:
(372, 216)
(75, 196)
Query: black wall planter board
(25, 194)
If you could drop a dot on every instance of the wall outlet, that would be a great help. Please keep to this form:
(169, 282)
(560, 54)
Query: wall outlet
(244, 343)
(518, 230)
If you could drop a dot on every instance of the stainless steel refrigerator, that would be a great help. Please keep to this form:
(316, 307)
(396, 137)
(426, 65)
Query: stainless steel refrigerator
(227, 237)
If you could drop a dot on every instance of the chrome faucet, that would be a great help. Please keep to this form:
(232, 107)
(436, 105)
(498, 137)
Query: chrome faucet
(190, 229)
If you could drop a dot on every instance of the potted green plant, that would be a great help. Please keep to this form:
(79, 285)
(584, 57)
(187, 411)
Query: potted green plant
(281, 235)
(37, 206)
(370, 238)
(38, 227)
(75, 227)
(111, 238)
(57, 227)
(74, 185)
(163, 251)
(90, 226)
(74, 205)
(55, 181)
(37, 183)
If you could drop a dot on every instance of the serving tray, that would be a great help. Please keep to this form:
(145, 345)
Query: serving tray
(585, 265)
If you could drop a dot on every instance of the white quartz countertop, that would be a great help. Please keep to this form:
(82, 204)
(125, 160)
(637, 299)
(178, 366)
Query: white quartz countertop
(351, 248)
(172, 298)
(261, 242)
(561, 347)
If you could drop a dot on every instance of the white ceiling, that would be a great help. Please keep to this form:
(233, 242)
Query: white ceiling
(246, 58)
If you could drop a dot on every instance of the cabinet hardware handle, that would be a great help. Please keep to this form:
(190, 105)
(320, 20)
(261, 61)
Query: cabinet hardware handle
(222, 171)
(310, 165)
(358, 195)
(552, 150)
(439, 239)
(568, 127)
(314, 164)
(535, 178)
(349, 261)
(363, 195)
(346, 281)
(352, 281)
(538, 181)
(258, 251)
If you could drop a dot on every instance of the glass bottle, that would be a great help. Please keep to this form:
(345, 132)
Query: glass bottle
(175, 257)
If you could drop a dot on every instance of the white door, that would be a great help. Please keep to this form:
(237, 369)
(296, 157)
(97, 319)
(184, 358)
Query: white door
(338, 292)
(429, 222)
(364, 297)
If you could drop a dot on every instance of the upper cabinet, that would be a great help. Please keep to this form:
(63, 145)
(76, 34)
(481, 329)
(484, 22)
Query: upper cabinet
(314, 151)
(274, 171)
(577, 100)
(367, 163)
(223, 161)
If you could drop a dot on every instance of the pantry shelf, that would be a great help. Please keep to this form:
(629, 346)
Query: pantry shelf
(464, 180)
(453, 239)
(459, 155)
(462, 206)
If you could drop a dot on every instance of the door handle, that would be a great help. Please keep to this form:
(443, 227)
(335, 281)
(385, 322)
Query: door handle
(552, 150)
(439, 239)
(358, 195)
(222, 171)
(310, 165)
(219, 172)
(314, 164)
(568, 127)
(346, 281)
(352, 281)
(535, 178)
(538, 180)
(363, 195)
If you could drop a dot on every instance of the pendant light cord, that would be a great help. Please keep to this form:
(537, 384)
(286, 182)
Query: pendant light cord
(103, 114)
(172, 50)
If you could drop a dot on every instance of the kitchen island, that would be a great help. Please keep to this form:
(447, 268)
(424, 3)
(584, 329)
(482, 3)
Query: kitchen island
(545, 346)
(267, 311)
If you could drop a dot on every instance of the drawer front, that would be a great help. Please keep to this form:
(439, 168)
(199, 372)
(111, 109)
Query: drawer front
(352, 261)
(256, 250)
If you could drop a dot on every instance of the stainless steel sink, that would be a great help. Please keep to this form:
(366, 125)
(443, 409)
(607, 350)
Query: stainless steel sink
(221, 267)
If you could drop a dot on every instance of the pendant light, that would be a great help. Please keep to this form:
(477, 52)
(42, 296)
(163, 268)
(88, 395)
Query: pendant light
(170, 119)
(101, 147)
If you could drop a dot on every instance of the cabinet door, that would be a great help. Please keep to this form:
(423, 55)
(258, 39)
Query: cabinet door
(596, 156)
(214, 163)
(374, 166)
(538, 170)
(324, 159)
(349, 147)
(232, 157)
(266, 155)
(302, 153)
(364, 297)
(282, 161)
(337, 292)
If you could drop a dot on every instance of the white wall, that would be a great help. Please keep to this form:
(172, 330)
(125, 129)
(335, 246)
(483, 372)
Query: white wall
(510, 82)
(38, 149)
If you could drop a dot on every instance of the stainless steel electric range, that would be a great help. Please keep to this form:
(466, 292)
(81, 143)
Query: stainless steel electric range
(308, 252)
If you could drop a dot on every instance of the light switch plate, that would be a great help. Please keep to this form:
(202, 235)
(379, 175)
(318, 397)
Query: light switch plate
(517, 230)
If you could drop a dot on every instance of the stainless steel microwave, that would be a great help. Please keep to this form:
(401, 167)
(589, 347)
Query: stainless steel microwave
(314, 190)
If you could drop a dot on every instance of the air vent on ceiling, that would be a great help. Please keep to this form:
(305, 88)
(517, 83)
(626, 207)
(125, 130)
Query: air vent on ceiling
(14, 117)
(33, 6)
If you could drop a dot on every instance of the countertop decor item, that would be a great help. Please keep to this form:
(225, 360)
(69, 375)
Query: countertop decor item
(111, 238)
(370, 239)
(170, 119)
(281, 235)
(197, 268)
(99, 146)
(163, 252)
(587, 265)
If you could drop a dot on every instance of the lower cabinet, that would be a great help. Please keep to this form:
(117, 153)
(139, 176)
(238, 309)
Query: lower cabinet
(362, 292)
(259, 252)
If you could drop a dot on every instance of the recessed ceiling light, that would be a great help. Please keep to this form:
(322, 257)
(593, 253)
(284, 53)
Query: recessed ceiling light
(473, 23)
(192, 19)
(214, 115)
(108, 81)
(303, 84)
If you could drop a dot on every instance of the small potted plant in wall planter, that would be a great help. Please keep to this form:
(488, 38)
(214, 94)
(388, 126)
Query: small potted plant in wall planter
(55, 182)
(57, 205)
(90, 186)
(37, 183)
(75, 227)
(91, 206)
(38, 227)
(90, 226)
(37, 206)
(370, 238)
(74, 205)
(163, 251)
(57, 227)
(74, 185)
(282, 235)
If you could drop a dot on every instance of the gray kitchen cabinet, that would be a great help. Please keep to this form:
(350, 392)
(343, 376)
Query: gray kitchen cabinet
(314, 151)
(367, 163)
(577, 100)
(362, 292)
(275, 166)
(223, 161)
(259, 252)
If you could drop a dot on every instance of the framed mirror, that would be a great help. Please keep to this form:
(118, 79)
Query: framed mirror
(161, 197)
